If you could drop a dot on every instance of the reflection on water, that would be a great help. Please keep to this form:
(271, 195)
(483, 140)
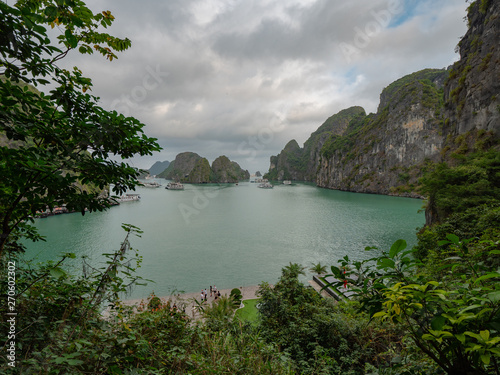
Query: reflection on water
(232, 235)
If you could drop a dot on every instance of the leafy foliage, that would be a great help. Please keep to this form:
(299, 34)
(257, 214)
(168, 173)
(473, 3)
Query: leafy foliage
(319, 336)
(61, 314)
(464, 200)
(59, 143)
(472, 183)
(454, 320)
(318, 268)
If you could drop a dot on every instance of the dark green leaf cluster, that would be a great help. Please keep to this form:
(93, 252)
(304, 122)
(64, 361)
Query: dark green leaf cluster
(58, 147)
(64, 331)
(453, 319)
(474, 182)
(319, 336)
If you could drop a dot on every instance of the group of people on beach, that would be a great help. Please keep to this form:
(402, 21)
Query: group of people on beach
(213, 293)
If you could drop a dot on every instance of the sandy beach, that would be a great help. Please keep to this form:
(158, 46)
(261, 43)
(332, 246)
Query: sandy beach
(186, 301)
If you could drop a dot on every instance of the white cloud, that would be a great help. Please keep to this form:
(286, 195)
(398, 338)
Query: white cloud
(208, 75)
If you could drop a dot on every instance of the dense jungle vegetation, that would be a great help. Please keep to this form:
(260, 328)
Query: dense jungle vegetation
(434, 309)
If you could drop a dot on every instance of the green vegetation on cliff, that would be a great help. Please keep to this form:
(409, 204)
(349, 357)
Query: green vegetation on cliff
(346, 141)
(295, 163)
(409, 84)
(192, 168)
(180, 168)
(201, 172)
(355, 151)
(227, 171)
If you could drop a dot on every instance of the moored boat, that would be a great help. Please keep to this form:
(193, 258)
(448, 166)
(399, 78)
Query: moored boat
(128, 198)
(266, 185)
(150, 184)
(175, 186)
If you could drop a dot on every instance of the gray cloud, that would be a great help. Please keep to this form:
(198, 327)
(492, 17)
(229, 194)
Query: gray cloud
(242, 78)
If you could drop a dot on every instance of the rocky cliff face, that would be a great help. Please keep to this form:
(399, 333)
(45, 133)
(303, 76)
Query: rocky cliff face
(300, 164)
(192, 168)
(472, 94)
(180, 168)
(227, 171)
(429, 116)
(382, 153)
(289, 164)
(201, 172)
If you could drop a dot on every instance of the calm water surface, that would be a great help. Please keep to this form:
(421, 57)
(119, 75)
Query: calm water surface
(231, 235)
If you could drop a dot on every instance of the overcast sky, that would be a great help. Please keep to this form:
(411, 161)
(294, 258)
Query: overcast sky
(243, 77)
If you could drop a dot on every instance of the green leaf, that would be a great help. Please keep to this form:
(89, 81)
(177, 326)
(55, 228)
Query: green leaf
(379, 314)
(57, 272)
(485, 335)
(488, 276)
(495, 351)
(453, 238)
(485, 358)
(461, 337)
(472, 334)
(386, 263)
(494, 296)
(397, 247)
(74, 362)
(471, 307)
(51, 11)
(438, 322)
(72, 40)
(336, 272)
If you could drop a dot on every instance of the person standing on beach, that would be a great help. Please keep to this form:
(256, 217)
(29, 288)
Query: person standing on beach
(210, 290)
(202, 295)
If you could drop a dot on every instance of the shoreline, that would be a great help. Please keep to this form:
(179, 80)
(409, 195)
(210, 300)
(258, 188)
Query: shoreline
(185, 302)
(247, 292)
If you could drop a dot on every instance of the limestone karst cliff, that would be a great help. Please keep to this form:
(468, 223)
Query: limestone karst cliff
(226, 171)
(158, 167)
(191, 167)
(180, 168)
(426, 117)
(472, 93)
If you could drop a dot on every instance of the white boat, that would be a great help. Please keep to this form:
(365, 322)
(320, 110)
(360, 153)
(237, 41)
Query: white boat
(175, 186)
(128, 198)
(287, 182)
(151, 184)
(266, 185)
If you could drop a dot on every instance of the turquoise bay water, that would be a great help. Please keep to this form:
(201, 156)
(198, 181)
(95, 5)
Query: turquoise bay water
(231, 235)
